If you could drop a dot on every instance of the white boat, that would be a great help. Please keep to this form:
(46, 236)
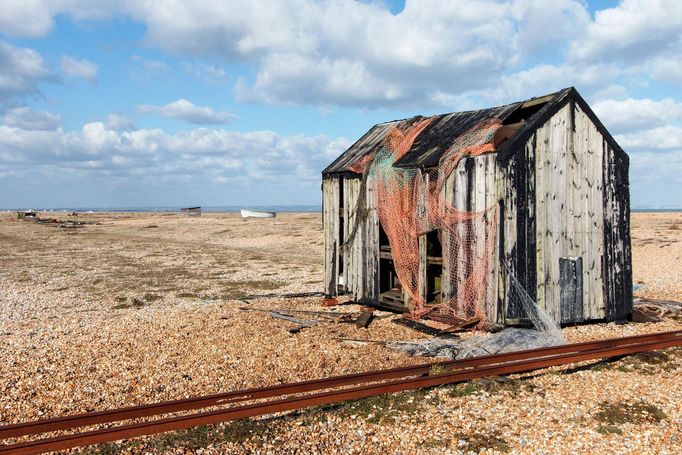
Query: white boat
(257, 214)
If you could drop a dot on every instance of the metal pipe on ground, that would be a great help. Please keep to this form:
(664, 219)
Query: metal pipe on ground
(502, 364)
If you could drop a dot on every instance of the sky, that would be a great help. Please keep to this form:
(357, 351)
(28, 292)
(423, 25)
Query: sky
(140, 103)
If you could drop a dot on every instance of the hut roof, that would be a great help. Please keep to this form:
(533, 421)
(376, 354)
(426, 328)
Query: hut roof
(439, 135)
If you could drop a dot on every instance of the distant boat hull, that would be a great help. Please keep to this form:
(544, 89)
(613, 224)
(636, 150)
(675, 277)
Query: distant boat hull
(257, 214)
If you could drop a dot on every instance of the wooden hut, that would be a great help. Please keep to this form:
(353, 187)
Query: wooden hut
(560, 181)
(191, 211)
(27, 215)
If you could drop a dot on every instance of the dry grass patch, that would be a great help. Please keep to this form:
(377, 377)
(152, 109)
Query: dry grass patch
(611, 415)
(646, 363)
(384, 409)
(192, 439)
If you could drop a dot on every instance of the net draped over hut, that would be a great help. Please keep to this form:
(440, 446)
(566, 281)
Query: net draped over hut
(464, 216)
(412, 202)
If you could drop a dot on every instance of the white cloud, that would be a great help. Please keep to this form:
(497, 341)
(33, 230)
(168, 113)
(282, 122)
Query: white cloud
(20, 71)
(26, 18)
(345, 52)
(199, 154)
(667, 67)
(631, 115)
(150, 65)
(633, 31)
(568, 20)
(35, 18)
(80, 68)
(350, 53)
(27, 118)
(117, 122)
(186, 110)
(546, 78)
(668, 137)
(211, 74)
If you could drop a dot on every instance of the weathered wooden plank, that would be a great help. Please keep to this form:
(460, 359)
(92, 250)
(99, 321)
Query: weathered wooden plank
(371, 252)
(330, 189)
(608, 258)
(479, 227)
(422, 180)
(417, 326)
(364, 319)
(359, 270)
(624, 306)
(509, 235)
(462, 191)
(492, 199)
(617, 256)
(499, 257)
(569, 218)
(530, 238)
(578, 198)
(541, 192)
(360, 251)
(587, 228)
(447, 239)
(592, 267)
(348, 216)
(556, 206)
(352, 237)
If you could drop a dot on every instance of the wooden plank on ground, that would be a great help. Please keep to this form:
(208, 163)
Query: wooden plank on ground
(364, 320)
(417, 326)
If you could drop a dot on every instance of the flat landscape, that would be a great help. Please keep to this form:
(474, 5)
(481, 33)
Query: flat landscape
(143, 307)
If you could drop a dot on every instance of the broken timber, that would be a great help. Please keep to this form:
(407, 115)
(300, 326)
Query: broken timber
(417, 326)
(290, 295)
(364, 320)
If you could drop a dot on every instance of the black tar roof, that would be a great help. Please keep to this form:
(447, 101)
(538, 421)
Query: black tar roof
(439, 135)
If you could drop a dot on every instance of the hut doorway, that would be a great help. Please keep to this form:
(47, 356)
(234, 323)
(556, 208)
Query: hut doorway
(434, 267)
(390, 288)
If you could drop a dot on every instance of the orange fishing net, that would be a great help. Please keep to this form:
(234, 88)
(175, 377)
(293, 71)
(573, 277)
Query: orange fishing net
(411, 203)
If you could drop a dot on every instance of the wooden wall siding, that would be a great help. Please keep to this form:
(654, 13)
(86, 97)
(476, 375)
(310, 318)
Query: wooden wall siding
(349, 251)
(475, 185)
(371, 248)
(617, 258)
(518, 236)
(423, 264)
(569, 214)
(361, 256)
(508, 234)
(564, 194)
(446, 283)
(330, 219)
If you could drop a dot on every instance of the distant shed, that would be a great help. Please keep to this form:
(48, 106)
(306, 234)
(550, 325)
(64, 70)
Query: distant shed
(560, 184)
(191, 211)
(27, 214)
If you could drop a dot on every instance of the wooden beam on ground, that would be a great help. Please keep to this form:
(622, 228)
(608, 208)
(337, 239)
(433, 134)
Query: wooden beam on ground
(417, 326)
(364, 320)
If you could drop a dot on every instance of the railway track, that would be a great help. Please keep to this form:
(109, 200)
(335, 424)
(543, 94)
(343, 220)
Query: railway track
(287, 397)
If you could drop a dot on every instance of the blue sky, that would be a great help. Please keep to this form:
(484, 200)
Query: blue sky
(167, 103)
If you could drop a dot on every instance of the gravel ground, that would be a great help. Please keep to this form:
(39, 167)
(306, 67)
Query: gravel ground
(145, 307)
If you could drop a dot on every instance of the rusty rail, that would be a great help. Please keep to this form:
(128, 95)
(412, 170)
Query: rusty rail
(399, 379)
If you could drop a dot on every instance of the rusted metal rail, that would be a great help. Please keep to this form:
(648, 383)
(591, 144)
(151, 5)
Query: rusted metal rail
(362, 385)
